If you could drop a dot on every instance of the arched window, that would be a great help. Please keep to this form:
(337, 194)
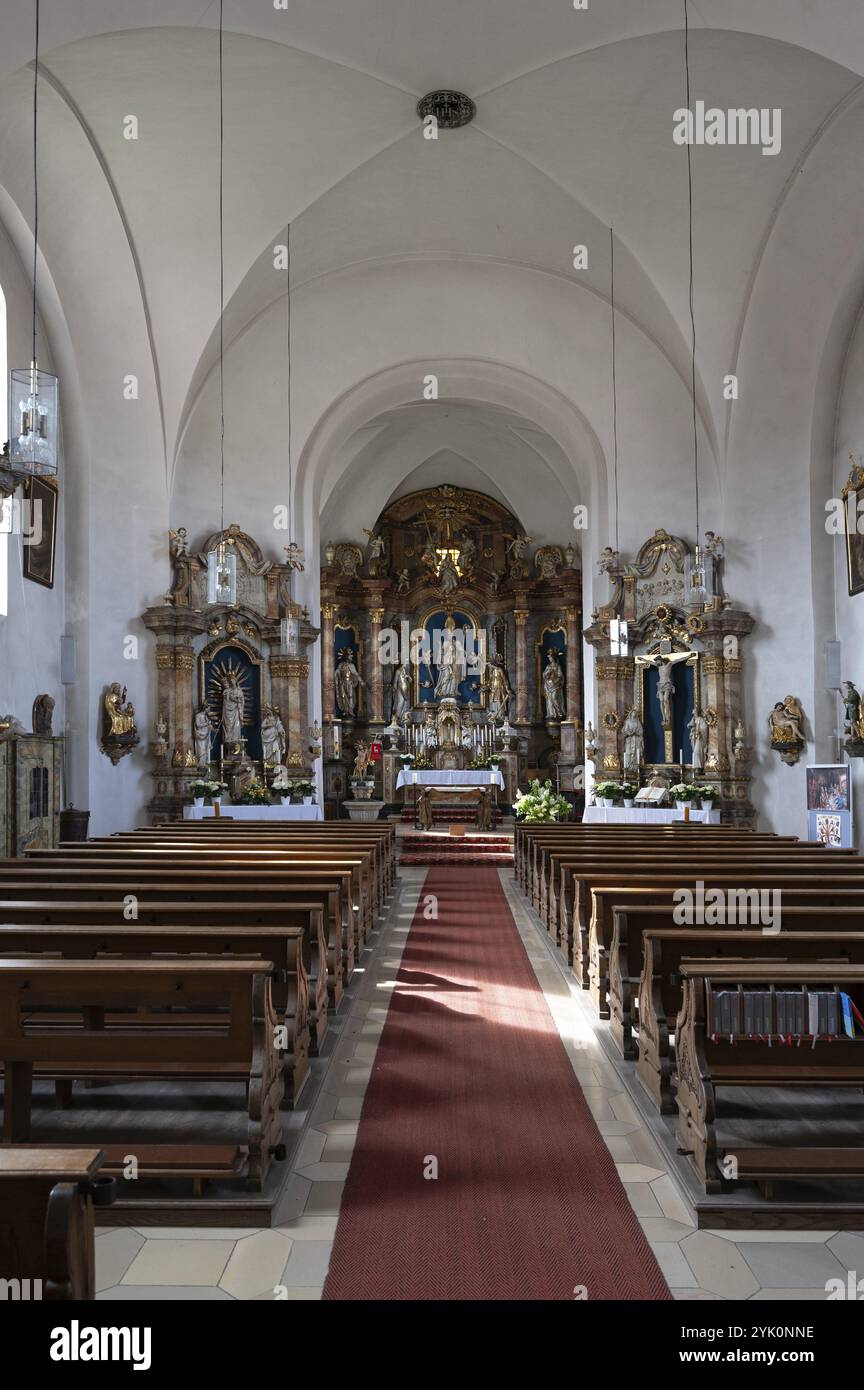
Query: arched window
(6, 504)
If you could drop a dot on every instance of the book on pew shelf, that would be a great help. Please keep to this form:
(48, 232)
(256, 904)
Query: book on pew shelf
(848, 1016)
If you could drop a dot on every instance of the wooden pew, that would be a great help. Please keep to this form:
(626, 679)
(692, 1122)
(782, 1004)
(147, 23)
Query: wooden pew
(26, 879)
(801, 890)
(351, 868)
(706, 1063)
(812, 935)
(47, 1243)
(241, 1049)
(56, 903)
(76, 936)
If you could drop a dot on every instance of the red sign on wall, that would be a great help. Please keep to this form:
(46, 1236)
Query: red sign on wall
(375, 752)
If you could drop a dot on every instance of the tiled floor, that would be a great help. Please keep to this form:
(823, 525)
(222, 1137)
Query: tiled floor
(290, 1260)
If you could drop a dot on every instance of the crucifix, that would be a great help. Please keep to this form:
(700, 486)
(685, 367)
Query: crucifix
(665, 693)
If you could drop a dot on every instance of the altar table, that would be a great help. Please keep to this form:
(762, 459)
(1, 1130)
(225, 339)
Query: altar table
(645, 815)
(255, 812)
(449, 777)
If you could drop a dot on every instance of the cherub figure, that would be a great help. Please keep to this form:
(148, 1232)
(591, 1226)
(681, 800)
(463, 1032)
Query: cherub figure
(294, 556)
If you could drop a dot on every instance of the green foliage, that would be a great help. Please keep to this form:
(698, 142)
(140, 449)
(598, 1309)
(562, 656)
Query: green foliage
(256, 794)
(206, 788)
(709, 792)
(541, 803)
(686, 791)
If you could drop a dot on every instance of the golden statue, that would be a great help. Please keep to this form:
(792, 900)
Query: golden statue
(121, 718)
(361, 762)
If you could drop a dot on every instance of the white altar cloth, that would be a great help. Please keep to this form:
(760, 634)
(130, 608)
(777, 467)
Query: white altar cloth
(255, 812)
(645, 815)
(449, 777)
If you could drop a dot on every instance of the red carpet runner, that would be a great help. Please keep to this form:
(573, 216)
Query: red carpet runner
(470, 1070)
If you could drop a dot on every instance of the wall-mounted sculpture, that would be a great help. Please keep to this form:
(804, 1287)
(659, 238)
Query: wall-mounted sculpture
(785, 723)
(119, 734)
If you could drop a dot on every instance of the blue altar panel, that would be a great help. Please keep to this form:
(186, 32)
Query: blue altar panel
(682, 713)
(469, 689)
(232, 658)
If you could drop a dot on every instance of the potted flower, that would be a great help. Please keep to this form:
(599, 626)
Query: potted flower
(422, 763)
(683, 794)
(306, 790)
(256, 793)
(628, 791)
(541, 804)
(282, 787)
(606, 792)
(708, 794)
(204, 790)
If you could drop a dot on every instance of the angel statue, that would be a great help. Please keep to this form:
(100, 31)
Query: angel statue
(294, 556)
(517, 548)
(553, 688)
(403, 583)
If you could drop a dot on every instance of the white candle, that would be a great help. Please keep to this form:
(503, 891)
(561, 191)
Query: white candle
(681, 756)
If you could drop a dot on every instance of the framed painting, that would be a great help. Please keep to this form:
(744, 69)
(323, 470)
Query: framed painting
(40, 547)
(852, 493)
(829, 787)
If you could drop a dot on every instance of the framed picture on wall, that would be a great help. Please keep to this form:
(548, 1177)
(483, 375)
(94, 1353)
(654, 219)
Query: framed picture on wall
(39, 549)
(829, 787)
(854, 490)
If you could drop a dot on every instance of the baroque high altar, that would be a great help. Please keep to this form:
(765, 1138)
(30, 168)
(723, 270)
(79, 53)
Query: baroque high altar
(668, 672)
(448, 635)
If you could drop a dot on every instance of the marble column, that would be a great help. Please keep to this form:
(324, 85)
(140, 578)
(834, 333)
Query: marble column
(375, 671)
(522, 714)
(574, 664)
(328, 698)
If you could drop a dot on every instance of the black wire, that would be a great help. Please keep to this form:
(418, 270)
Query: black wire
(692, 313)
(291, 488)
(35, 175)
(614, 378)
(221, 280)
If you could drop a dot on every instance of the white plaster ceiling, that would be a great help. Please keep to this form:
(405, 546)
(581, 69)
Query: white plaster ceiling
(573, 131)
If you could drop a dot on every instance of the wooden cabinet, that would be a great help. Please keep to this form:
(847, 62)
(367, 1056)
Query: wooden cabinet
(30, 768)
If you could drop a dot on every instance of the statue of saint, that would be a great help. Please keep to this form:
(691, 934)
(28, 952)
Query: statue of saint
(402, 692)
(553, 688)
(852, 702)
(634, 742)
(362, 759)
(448, 576)
(500, 690)
(233, 702)
(201, 735)
(467, 552)
(272, 737)
(348, 682)
(452, 669)
(665, 691)
(375, 550)
(698, 731)
(121, 717)
(784, 721)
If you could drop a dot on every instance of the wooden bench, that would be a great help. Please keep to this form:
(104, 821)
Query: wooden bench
(47, 1245)
(800, 890)
(286, 947)
(24, 880)
(706, 1063)
(241, 1048)
(809, 936)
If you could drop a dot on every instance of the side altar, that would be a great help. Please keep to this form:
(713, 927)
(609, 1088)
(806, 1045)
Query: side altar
(446, 637)
(232, 673)
(668, 671)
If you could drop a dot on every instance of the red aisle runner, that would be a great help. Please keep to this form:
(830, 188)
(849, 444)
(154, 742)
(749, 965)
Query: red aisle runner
(471, 1072)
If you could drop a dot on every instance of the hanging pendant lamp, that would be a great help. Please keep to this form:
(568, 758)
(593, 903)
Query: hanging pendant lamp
(34, 395)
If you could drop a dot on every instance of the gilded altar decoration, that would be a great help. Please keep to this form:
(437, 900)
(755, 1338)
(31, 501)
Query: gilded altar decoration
(119, 734)
(682, 668)
(785, 725)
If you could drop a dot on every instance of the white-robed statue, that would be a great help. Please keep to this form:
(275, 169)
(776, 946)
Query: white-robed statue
(634, 743)
(232, 711)
(402, 691)
(201, 734)
(272, 737)
(452, 668)
(698, 731)
(553, 688)
(348, 682)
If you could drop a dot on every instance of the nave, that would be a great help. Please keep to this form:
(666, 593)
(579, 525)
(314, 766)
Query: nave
(470, 1128)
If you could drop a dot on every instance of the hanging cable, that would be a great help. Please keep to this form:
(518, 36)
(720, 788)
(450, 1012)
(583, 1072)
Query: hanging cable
(690, 236)
(290, 374)
(221, 279)
(35, 174)
(614, 378)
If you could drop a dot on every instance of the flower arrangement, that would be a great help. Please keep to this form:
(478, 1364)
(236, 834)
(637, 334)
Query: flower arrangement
(481, 763)
(609, 791)
(708, 792)
(422, 762)
(257, 793)
(303, 787)
(685, 791)
(541, 803)
(201, 788)
(628, 791)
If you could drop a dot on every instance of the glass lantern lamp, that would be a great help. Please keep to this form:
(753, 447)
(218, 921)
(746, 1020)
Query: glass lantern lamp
(619, 644)
(698, 576)
(222, 574)
(290, 636)
(34, 418)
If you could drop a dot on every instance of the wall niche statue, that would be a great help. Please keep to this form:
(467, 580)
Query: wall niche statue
(119, 734)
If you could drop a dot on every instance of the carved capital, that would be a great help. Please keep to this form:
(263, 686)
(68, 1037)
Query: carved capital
(732, 663)
(521, 616)
(713, 665)
(377, 615)
(571, 614)
(327, 610)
